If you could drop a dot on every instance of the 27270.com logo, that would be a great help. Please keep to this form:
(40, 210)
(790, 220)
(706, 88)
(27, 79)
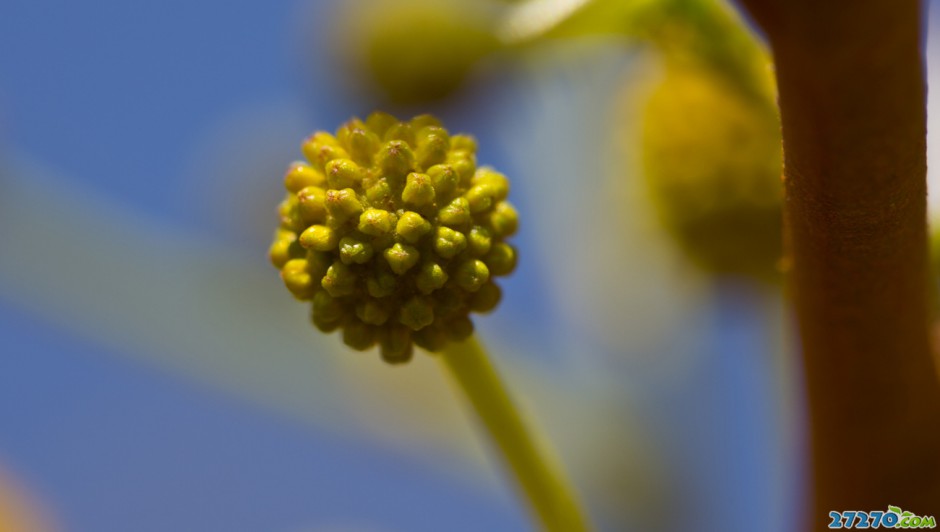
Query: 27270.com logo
(893, 518)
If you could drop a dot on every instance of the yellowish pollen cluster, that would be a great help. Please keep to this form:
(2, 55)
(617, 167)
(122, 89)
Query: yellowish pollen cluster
(393, 234)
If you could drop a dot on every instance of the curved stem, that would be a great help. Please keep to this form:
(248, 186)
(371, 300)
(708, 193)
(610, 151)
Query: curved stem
(549, 494)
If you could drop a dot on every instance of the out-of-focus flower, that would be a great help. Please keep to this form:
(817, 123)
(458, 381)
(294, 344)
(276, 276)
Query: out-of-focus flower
(17, 513)
(712, 158)
(414, 50)
(394, 234)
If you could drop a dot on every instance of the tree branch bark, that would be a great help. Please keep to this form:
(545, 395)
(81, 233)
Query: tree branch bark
(853, 108)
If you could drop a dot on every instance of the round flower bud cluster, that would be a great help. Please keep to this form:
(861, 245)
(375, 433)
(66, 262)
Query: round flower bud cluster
(393, 234)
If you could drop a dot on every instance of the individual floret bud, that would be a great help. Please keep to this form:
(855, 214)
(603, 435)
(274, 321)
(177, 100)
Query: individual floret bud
(471, 275)
(486, 298)
(382, 284)
(319, 238)
(290, 218)
(459, 329)
(321, 148)
(416, 313)
(358, 335)
(400, 131)
(373, 312)
(297, 279)
(301, 175)
(456, 213)
(379, 122)
(431, 338)
(479, 241)
(340, 280)
(451, 301)
(411, 227)
(343, 204)
(327, 312)
(445, 181)
(343, 173)
(395, 159)
(464, 163)
(354, 249)
(318, 262)
(418, 190)
(380, 193)
(504, 220)
(501, 259)
(425, 121)
(496, 182)
(376, 222)
(358, 141)
(311, 205)
(401, 257)
(433, 144)
(464, 143)
(480, 198)
(283, 248)
(396, 344)
(448, 243)
(430, 277)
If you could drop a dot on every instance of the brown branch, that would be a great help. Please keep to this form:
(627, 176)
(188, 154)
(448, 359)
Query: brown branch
(853, 108)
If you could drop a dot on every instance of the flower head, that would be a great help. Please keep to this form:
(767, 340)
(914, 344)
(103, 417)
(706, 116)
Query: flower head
(393, 234)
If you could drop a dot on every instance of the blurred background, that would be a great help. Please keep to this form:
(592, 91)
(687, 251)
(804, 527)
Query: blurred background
(155, 375)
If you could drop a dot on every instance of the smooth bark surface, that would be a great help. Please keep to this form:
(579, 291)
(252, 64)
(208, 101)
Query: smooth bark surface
(853, 107)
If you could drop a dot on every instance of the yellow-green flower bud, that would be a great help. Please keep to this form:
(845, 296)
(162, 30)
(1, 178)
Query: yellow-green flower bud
(401, 257)
(311, 205)
(327, 312)
(297, 279)
(459, 329)
(471, 274)
(479, 241)
(433, 145)
(430, 278)
(400, 131)
(376, 222)
(396, 159)
(319, 238)
(379, 122)
(373, 312)
(486, 298)
(504, 220)
(353, 249)
(464, 163)
(340, 280)
(445, 181)
(396, 344)
(480, 198)
(448, 243)
(280, 250)
(463, 143)
(416, 313)
(301, 175)
(455, 213)
(321, 148)
(501, 259)
(382, 284)
(343, 204)
(496, 182)
(418, 190)
(411, 227)
(358, 335)
(395, 240)
(343, 173)
(358, 141)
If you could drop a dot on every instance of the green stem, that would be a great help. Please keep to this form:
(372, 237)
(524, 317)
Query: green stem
(542, 481)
